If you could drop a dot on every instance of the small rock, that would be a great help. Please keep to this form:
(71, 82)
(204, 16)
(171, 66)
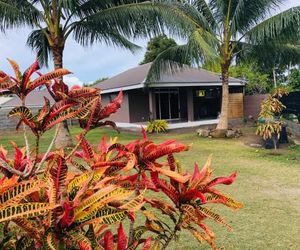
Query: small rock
(218, 133)
(239, 132)
(230, 134)
(203, 132)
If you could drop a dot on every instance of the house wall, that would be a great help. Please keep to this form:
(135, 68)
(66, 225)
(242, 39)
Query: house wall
(139, 105)
(5, 122)
(122, 115)
(10, 123)
(252, 104)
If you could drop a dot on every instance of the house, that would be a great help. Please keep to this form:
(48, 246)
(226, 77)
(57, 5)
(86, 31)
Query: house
(190, 95)
(35, 101)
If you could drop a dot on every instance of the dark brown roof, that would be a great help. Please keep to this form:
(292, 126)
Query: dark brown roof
(34, 99)
(138, 75)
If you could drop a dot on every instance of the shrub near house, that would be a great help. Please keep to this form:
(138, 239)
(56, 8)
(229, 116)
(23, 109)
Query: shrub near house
(56, 208)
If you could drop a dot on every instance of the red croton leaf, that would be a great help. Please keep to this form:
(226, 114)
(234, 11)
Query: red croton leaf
(19, 157)
(144, 133)
(192, 195)
(201, 177)
(27, 74)
(167, 188)
(147, 244)
(174, 175)
(68, 215)
(111, 107)
(122, 239)
(165, 150)
(108, 241)
(222, 180)
(3, 154)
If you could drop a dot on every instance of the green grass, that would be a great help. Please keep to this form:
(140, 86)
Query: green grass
(267, 184)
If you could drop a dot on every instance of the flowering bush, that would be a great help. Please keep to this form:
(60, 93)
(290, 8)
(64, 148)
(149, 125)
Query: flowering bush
(71, 199)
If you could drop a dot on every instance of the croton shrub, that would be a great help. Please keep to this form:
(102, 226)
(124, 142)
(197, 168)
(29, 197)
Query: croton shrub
(271, 123)
(97, 197)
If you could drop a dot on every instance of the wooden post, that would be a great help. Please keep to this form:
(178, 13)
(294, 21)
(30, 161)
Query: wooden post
(152, 105)
(190, 104)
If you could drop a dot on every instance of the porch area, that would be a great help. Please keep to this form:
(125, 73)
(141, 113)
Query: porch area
(185, 105)
(172, 126)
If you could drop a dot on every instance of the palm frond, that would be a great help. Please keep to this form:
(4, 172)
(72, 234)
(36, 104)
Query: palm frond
(88, 33)
(38, 41)
(287, 21)
(248, 13)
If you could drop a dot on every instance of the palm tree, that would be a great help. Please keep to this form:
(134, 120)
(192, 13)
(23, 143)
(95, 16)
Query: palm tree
(111, 22)
(223, 30)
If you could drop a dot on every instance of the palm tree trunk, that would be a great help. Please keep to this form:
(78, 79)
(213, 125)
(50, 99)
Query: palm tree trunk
(64, 138)
(223, 122)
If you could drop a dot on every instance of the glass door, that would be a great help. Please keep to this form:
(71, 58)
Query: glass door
(167, 104)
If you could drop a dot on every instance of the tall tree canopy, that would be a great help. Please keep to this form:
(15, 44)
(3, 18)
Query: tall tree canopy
(156, 46)
(222, 30)
(112, 22)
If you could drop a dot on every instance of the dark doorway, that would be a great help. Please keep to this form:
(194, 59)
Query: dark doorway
(207, 103)
(167, 103)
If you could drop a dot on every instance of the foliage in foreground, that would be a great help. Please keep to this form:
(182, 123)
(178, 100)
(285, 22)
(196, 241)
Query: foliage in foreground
(74, 199)
(157, 126)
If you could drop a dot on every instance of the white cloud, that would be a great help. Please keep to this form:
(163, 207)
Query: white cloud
(72, 80)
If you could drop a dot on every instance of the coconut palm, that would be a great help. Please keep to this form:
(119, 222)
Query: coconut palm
(111, 22)
(222, 30)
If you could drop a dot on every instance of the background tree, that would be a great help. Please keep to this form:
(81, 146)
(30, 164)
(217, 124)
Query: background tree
(294, 80)
(157, 45)
(95, 82)
(275, 57)
(257, 82)
(111, 22)
(221, 31)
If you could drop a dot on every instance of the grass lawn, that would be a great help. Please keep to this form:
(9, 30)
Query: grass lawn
(267, 184)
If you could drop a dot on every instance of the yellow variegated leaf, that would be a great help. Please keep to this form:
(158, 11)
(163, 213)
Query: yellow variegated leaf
(82, 241)
(189, 215)
(138, 232)
(105, 216)
(134, 204)
(156, 245)
(25, 210)
(21, 111)
(101, 198)
(6, 83)
(78, 181)
(131, 161)
(19, 192)
(112, 141)
(212, 215)
(201, 236)
(226, 200)
(50, 241)
(29, 227)
(102, 193)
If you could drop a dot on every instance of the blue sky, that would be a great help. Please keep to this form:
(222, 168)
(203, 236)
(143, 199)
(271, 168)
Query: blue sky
(88, 64)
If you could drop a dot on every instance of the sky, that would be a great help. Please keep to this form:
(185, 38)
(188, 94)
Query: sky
(87, 63)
